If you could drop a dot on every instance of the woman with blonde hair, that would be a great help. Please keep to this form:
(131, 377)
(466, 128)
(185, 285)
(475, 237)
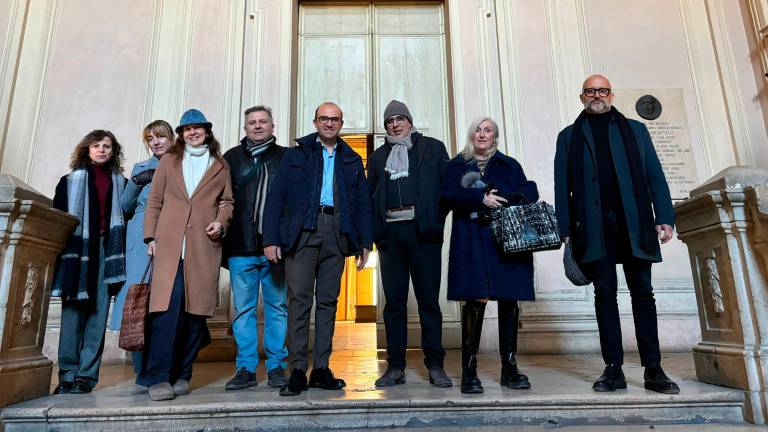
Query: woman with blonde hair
(158, 136)
(478, 180)
(187, 214)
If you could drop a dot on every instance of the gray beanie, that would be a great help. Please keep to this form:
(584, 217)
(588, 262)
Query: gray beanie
(397, 108)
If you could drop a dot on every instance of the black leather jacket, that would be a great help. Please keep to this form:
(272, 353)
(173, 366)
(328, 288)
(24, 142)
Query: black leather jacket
(242, 237)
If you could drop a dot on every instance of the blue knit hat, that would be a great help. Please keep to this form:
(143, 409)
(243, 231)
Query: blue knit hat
(193, 117)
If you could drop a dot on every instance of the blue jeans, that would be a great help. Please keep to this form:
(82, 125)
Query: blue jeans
(246, 274)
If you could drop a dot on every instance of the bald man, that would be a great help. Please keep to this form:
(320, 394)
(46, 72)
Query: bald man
(317, 213)
(613, 207)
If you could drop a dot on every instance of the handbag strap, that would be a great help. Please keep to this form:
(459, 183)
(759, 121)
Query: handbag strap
(147, 270)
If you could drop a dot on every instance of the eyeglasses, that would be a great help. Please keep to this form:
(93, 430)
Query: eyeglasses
(326, 120)
(602, 91)
(396, 119)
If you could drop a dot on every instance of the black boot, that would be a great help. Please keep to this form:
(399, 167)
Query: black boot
(471, 329)
(509, 319)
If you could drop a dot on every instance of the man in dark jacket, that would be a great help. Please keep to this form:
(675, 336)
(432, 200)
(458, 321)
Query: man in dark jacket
(405, 177)
(318, 212)
(613, 205)
(253, 167)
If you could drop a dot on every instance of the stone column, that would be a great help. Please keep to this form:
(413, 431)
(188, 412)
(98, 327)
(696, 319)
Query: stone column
(725, 226)
(31, 236)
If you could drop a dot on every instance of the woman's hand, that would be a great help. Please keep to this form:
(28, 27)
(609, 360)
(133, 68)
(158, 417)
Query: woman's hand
(214, 230)
(493, 201)
(151, 247)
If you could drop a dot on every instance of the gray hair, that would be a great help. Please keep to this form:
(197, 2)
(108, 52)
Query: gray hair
(469, 147)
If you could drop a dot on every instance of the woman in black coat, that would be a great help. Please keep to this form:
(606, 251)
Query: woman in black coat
(479, 179)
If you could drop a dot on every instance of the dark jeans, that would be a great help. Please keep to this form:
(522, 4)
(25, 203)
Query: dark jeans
(81, 339)
(313, 270)
(638, 275)
(174, 339)
(402, 256)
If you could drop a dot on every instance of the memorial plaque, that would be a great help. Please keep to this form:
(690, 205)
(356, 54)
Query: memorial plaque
(669, 132)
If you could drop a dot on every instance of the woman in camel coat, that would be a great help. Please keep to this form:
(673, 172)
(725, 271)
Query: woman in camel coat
(187, 213)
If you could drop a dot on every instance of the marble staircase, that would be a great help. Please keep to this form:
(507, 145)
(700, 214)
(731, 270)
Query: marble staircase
(561, 396)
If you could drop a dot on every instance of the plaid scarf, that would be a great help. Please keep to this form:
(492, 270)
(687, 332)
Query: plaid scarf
(261, 177)
(71, 279)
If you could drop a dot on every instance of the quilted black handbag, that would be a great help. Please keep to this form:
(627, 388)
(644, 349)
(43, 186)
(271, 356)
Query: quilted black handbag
(529, 227)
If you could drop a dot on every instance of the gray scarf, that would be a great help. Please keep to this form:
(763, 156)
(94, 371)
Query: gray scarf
(397, 162)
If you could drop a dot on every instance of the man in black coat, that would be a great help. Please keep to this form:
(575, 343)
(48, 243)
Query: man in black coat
(405, 177)
(613, 206)
(318, 212)
(253, 166)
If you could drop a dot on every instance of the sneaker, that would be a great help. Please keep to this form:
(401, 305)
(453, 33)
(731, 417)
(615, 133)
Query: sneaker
(242, 379)
(64, 387)
(276, 377)
(181, 387)
(81, 386)
(161, 391)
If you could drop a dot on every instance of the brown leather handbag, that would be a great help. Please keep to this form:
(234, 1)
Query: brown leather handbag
(133, 327)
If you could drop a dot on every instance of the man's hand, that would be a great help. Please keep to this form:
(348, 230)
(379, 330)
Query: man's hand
(665, 232)
(273, 253)
(361, 259)
(493, 201)
(214, 230)
(151, 247)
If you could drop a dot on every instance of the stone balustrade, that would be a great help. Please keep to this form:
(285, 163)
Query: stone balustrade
(31, 236)
(725, 226)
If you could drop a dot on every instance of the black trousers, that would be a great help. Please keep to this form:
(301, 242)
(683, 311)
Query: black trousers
(174, 339)
(638, 275)
(404, 255)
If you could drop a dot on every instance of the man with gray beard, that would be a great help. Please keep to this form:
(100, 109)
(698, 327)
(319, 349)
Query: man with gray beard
(613, 206)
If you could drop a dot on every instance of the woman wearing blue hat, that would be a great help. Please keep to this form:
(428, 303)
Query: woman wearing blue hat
(187, 214)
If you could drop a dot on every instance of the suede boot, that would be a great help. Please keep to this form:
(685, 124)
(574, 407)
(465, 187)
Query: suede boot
(509, 320)
(471, 329)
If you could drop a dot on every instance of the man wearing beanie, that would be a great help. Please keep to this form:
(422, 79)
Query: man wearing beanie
(404, 178)
(253, 166)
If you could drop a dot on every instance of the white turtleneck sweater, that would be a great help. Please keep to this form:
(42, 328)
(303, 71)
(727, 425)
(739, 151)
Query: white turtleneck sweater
(194, 165)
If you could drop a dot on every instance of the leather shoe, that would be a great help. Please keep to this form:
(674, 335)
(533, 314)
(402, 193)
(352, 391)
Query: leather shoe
(656, 380)
(296, 384)
(611, 379)
(438, 378)
(323, 378)
(392, 377)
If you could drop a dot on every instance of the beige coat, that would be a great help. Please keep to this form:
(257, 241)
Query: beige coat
(169, 216)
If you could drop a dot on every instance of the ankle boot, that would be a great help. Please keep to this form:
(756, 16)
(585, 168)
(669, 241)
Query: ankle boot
(471, 329)
(509, 319)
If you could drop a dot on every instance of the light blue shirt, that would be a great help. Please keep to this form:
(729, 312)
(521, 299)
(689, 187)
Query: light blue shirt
(326, 192)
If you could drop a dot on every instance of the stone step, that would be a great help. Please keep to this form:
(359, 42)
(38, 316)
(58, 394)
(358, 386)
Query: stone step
(561, 396)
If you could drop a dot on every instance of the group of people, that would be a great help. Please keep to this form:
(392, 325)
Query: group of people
(282, 220)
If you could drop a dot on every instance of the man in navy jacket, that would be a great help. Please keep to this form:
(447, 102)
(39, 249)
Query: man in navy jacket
(317, 213)
(613, 206)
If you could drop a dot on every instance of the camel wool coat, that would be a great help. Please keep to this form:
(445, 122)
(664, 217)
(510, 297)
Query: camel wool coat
(169, 216)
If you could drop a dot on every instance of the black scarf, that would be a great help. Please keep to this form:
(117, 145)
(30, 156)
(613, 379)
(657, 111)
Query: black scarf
(648, 238)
